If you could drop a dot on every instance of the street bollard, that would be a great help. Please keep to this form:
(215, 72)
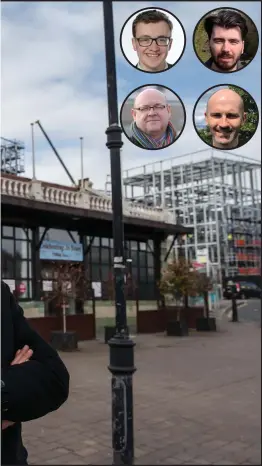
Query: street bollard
(234, 304)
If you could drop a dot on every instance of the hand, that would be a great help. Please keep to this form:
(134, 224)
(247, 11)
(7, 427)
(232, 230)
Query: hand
(21, 356)
(6, 424)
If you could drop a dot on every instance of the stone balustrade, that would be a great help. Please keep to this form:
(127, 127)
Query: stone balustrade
(87, 199)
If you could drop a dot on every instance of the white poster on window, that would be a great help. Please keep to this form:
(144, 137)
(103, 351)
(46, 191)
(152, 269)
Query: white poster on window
(47, 285)
(97, 289)
(11, 284)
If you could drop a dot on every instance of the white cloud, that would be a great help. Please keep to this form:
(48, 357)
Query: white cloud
(53, 69)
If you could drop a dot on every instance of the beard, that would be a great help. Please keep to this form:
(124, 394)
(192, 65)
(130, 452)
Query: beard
(225, 66)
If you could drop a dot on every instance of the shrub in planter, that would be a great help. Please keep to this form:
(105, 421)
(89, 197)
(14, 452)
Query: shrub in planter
(178, 281)
(64, 340)
(205, 323)
(176, 328)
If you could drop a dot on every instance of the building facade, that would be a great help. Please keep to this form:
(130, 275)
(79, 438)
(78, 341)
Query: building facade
(216, 193)
(45, 224)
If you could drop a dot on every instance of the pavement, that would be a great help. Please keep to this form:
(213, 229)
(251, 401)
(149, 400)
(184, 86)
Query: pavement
(249, 311)
(197, 401)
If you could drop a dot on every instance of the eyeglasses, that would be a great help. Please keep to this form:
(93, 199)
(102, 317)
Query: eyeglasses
(147, 41)
(147, 108)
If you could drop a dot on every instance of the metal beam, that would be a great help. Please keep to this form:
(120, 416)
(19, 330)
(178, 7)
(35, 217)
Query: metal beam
(71, 236)
(38, 246)
(171, 246)
(86, 251)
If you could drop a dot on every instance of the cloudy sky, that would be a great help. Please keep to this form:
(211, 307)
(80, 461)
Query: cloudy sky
(53, 70)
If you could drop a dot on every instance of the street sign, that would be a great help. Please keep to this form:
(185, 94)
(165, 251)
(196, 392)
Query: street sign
(22, 288)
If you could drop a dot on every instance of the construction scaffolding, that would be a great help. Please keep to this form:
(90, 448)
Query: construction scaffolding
(12, 156)
(217, 193)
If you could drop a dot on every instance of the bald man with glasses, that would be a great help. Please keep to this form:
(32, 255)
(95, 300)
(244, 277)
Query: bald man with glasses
(152, 31)
(151, 127)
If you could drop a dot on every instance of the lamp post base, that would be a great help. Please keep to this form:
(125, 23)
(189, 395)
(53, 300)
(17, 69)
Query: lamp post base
(122, 369)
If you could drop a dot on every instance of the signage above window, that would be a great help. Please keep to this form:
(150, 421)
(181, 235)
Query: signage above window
(56, 250)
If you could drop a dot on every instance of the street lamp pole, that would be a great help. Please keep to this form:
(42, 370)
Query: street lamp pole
(121, 347)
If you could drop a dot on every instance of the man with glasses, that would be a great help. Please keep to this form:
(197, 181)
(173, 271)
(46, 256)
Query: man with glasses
(151, 127)
(152, 40)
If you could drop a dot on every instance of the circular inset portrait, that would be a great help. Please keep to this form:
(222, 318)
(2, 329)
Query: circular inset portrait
(225, 117)
(152, 40)
(153, 117)
(225, 40)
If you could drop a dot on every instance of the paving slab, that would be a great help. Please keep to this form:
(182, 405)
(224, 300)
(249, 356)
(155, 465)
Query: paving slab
(197, 400)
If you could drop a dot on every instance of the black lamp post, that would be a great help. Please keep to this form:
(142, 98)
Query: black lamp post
(121, 346)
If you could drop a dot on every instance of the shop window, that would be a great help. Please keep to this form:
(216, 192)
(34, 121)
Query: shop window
(16, 259)
(105, 242)
(23, 233)
(150, 260)
(142, 259)
(104, 256)
(8, 247)
(7, 267)
(96, 241)
(134, 258)
(143, 274)
(151, 275)
(150, 244)
(21, 249)
(95, 273)
(105, 273)
(134, 272)
(8, 231)
(95, 255)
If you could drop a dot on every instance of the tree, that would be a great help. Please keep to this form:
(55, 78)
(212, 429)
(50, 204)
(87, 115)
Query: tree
(251, 109)
(68, 282)
(178, 280)
(203, 286)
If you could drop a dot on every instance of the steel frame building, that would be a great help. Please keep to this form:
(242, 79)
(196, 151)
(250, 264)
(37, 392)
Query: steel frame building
(215, 192)
(12, 156)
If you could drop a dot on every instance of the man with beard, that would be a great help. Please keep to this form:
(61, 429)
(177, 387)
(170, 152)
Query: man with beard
(152, 40)
(226, 32)
(224, 116)
(151, 127)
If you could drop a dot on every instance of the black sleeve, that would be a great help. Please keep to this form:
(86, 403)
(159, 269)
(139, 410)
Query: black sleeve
(37, 387)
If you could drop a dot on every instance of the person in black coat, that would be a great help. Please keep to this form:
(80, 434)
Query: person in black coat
(34, 380)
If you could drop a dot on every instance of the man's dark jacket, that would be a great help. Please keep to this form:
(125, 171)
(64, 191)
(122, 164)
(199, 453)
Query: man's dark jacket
(29, 390)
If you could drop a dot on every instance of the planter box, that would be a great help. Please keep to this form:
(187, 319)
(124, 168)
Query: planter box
(64, 341)
(176, 329)
(204, 324)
